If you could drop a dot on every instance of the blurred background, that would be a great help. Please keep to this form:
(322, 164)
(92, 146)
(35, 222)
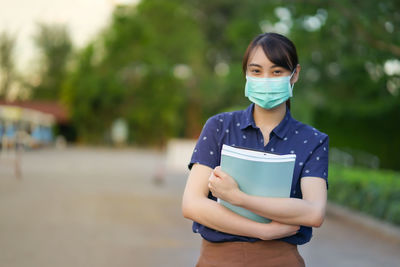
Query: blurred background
(101, 102)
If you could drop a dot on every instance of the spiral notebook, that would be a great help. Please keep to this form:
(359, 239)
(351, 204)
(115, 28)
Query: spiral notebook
(257, 173)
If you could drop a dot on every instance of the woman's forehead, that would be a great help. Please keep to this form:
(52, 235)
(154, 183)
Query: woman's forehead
(258, 57)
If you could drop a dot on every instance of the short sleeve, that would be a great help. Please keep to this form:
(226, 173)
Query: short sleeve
(317, 163)
(207, 149)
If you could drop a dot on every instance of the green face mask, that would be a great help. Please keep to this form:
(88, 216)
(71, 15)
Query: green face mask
(268, 92)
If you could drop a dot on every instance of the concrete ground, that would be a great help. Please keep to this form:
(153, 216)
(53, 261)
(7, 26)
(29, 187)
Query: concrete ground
(104, 207)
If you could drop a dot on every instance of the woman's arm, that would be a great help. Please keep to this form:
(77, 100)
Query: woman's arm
(198, 207)
(309, 211)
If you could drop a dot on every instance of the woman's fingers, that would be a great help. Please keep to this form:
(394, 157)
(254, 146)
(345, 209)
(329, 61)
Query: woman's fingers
(218, 172)
(211, 180)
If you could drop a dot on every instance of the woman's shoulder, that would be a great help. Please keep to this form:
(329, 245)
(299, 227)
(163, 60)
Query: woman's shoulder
(302, 129)
(226, 118)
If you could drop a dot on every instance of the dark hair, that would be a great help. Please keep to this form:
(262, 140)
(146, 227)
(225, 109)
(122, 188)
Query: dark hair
(278, 49)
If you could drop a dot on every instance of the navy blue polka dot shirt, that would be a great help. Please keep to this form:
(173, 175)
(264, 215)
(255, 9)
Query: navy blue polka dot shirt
(290, 136)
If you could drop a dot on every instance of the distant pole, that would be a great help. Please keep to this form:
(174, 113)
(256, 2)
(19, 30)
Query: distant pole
(18, 156)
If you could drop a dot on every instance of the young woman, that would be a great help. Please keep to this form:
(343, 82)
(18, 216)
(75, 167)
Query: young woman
(271, 68)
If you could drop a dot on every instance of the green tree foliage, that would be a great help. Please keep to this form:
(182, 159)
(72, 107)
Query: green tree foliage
(54, 45)
(166, 66)
(147, 67)
(346, 81)
(7, 62)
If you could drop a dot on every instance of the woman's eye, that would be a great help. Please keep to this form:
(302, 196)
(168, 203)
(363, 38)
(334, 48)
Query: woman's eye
(255, 71)
(277, 72)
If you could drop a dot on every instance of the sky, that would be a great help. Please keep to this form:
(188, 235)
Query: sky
(84, 19)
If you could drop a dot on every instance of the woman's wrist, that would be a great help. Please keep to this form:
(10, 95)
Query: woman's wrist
(239, 198)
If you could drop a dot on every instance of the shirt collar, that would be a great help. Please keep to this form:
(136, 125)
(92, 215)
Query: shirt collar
(283, 127)
(280, 130)
(247, 118)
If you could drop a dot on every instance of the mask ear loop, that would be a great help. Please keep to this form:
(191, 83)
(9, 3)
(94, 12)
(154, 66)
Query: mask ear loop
(291, 85)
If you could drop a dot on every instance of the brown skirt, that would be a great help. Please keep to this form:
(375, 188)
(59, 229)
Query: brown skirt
(257, 254)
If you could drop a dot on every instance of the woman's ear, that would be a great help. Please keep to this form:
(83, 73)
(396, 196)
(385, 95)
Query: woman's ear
(296, 74)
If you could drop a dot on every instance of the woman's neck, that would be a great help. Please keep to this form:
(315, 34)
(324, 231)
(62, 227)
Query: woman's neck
(268, 119)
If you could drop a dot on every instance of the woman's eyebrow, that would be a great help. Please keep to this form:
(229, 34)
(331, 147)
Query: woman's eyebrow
(274, 66)
(255, 65)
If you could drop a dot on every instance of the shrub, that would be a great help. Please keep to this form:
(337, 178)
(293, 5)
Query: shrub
(374, 192)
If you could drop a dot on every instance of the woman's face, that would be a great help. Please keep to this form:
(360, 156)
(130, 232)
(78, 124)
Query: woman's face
(260, 66)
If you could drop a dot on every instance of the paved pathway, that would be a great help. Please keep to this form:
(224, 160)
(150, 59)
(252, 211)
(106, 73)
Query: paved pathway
(101, 207)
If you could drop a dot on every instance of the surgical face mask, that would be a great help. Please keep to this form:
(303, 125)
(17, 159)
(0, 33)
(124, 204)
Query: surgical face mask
(269, 92)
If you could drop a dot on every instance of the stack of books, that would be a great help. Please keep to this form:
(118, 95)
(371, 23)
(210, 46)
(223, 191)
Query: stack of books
(257, 173)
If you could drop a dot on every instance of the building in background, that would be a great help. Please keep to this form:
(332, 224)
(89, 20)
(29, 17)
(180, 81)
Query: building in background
(30, 124)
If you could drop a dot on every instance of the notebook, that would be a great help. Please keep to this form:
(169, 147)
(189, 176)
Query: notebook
(257, 173)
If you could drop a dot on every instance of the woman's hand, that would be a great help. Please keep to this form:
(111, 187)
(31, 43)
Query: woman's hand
(224, 186)
(276, 230)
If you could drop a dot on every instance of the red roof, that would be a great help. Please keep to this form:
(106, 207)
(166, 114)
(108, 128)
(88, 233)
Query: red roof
(54, 108)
